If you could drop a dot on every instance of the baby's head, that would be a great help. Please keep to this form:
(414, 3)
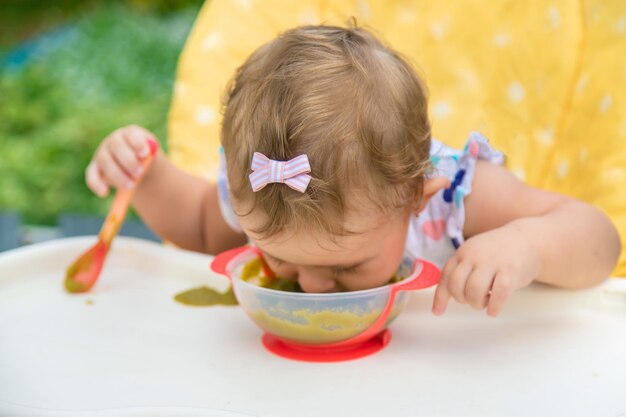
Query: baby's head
(358, 111)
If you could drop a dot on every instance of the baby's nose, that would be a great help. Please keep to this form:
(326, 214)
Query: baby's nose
(315, 283)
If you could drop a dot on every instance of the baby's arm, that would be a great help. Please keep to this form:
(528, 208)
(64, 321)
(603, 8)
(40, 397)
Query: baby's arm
(517, 234)
(177, 206)
(184, 209)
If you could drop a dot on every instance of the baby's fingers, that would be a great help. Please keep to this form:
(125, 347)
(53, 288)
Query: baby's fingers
(457, 280)
(111, 172)
(500, 292)
(95, 182)
(139, 139)
(478, 286)
(442, 294)
(125, 155)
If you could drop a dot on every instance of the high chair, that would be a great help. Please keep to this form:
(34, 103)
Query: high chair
(545, 81)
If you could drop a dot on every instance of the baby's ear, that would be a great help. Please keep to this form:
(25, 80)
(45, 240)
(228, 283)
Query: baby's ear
(431, 187)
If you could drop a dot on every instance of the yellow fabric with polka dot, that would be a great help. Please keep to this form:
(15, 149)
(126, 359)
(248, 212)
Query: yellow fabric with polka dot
(544, 80)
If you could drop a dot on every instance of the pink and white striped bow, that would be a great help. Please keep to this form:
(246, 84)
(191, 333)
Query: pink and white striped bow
(292, 173)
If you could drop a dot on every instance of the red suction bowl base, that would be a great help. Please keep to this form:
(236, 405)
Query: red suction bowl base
(310, 353)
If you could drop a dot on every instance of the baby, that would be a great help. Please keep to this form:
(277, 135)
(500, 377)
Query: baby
(329, 168)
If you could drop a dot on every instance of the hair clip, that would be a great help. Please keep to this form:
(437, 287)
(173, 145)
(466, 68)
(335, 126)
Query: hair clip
(292, 172)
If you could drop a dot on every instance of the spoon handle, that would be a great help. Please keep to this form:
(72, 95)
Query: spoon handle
(123, 196)
(115, 217)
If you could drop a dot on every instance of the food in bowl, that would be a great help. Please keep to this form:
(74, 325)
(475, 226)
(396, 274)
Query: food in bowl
(303, 318)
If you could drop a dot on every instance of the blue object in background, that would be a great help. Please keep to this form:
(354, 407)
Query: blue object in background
(9, 230)
(37, 47)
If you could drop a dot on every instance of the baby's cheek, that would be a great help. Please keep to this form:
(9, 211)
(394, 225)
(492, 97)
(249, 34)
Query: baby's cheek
(376, 275)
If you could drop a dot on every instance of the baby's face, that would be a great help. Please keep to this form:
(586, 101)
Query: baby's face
(362, 261)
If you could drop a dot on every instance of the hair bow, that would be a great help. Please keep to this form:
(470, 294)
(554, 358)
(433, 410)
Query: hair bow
(292, 173)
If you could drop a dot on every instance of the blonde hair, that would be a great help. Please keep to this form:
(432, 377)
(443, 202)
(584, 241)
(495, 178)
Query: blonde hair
(338, 95)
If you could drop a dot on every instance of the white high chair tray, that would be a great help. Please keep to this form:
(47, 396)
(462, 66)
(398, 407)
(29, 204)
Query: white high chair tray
(128, 349)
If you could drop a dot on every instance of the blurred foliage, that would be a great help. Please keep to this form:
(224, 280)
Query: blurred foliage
(21, 19)
(164, 6)
(111, 67)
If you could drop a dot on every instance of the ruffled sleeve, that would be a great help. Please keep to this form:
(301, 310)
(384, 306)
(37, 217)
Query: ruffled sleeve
(460, 168)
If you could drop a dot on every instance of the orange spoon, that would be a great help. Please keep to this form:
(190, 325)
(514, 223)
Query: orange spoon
(83, 273)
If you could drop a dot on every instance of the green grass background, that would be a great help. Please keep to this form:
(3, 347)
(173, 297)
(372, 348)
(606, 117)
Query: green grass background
(93, 66)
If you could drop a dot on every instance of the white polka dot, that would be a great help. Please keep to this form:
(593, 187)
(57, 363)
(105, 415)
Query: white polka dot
(364, 9)
(620, 25)
(583, 154)
(501, 39)
(406, 14)
(516, 92)
(562, 168)
(582, 82)
(593, 15)
(554, 17)
(605, 103)
(438, 30)
(309, 17)
(245, 4)
(614, 174)
(520, 174)
(205, 115)
(212, 40)
(442, 109)
(545, 136)
(180, 88)
(468, 78)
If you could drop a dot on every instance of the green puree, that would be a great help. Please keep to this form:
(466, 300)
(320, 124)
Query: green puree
(205, 296)
(251, 273)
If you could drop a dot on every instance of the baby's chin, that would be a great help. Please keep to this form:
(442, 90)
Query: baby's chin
(337, 288)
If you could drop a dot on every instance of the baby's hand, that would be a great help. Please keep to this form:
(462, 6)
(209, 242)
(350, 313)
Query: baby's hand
(485, 271)
(117, 161)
